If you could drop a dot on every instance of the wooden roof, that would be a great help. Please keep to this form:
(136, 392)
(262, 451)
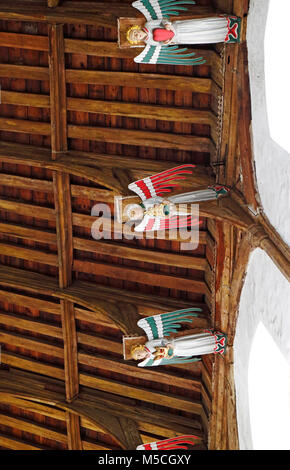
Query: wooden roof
(79, 120)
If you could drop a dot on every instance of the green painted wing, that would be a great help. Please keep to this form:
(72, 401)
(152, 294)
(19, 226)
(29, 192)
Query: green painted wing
(159, 326)
(158, 9)
(171, 55)
(165, 362)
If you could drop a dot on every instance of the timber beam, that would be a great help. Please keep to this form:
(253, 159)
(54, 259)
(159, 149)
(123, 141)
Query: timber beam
(145, 304)
(34, 393)
(116, 304)
(100, 77)
(103, 247)
(113, 108)
(115, 135)
(107, 422)
(106, 170)
(73, 12)
(68, 12)
(89, 47)
(62, 197)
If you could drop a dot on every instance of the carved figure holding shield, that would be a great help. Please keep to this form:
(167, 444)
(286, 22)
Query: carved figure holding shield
(161, 37)
(155, 212)
(161, 350)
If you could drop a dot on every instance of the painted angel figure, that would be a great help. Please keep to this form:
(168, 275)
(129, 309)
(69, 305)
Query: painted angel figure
(158, 213)
(159, 350)
(162, 37)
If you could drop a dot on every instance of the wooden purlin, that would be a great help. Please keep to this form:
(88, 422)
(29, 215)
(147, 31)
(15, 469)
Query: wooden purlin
(94, 13)
(139, 80)
(113, 135)
(87, 221)
(62, 196)
(146, 395)
(112, 108)
(105, 248)
(69, 12)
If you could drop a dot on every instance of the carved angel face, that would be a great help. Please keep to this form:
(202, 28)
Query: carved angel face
(137, 35)
(134, 212)
(139, 352)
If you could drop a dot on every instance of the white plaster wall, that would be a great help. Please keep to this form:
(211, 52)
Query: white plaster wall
(272, 161)
(265, 297)
(266, 293)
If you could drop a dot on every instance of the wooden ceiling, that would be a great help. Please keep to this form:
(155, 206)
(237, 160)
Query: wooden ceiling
(79, 120)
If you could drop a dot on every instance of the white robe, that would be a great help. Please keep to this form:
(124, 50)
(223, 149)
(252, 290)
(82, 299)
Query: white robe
(194, 31)
(191, 345)
(184, 198)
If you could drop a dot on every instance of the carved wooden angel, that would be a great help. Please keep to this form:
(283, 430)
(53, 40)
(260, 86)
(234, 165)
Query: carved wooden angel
(159, 350)
(162, 36)
(159, 213)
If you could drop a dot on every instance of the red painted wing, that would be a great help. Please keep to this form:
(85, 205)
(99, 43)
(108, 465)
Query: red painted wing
(161, 183)
(152, 224)
(148, 224)
(181, 221)
(180, 442)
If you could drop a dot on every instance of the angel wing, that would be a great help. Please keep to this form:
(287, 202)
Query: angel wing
(179, 442)
(150, 224)
(158, 9)
(166, 362)
(159, 326)
(160, 183)
(163, 54)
